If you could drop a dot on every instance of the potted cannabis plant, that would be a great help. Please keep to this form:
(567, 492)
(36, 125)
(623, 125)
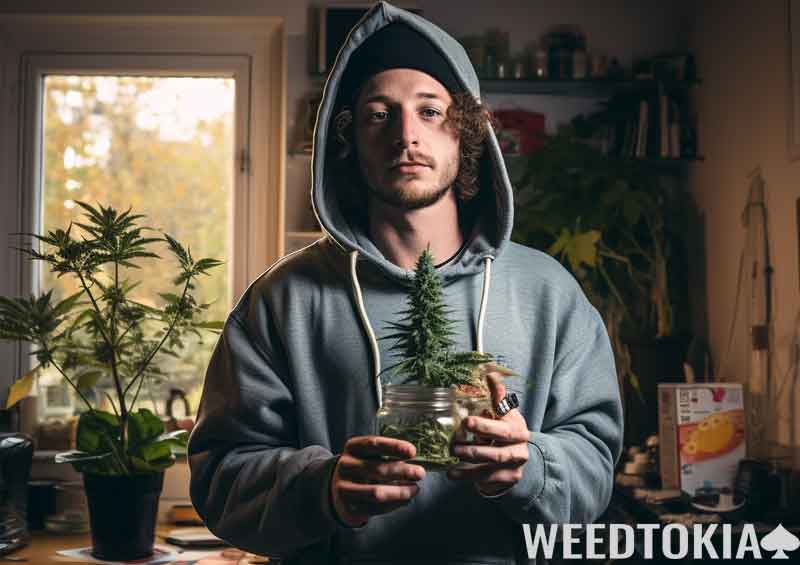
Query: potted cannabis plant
(101, 334)
(447, 384)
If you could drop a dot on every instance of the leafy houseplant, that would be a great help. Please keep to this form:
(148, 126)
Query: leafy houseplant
(99, 334)
(424, 339)
(618, 226)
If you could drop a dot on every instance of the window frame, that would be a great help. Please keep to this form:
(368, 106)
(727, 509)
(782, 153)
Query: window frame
(32, 46)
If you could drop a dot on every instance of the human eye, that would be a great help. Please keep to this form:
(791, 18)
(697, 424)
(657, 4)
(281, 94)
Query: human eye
(377, 115)
(431, 113)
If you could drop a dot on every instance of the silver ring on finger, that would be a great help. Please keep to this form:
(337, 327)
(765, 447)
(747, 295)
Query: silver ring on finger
(506, 404)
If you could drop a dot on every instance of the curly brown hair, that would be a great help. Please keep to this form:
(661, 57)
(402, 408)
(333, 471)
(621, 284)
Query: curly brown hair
(470, 118)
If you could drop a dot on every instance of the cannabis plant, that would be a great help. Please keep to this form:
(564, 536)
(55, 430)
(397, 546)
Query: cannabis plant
(424, 336)
(102, 334)
(424, 339)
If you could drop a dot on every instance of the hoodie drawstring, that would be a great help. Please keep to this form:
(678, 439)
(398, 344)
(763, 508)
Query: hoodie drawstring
(362, 312)
(373, 342)
(487, 278)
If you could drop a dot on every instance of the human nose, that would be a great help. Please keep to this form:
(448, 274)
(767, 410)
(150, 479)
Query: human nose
(405, 130)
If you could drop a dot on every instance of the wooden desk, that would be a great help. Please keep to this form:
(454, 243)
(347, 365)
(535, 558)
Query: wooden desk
(44, 545)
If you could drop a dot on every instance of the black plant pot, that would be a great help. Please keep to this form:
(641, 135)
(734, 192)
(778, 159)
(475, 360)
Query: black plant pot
(122, 514)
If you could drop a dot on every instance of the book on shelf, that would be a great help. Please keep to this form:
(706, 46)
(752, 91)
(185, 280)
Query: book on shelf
(641, 138)
(674, 132)
(656, 127)
(663, 124)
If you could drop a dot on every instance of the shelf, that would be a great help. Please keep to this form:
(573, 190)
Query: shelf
(590, 88)
(670, 165)
(662, 161)
(670, 160)
(577, 88)
(666, 166)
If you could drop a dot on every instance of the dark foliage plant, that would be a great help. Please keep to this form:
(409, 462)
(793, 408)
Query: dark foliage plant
(618, 225)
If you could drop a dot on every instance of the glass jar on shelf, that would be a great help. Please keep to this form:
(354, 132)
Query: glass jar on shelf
(541, 66)
(519, 70)
(580, 64)
(503, 69)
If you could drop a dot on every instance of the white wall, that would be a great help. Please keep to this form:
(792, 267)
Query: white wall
(741, 50)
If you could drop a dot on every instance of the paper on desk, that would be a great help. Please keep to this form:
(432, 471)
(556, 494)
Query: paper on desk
(160, 555)
(219, 557)
(166, 554)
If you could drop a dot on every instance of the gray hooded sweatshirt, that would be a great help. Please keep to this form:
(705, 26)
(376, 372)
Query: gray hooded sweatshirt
(294, 375)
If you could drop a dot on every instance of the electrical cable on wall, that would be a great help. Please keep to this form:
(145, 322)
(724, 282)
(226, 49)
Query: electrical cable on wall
(759, 321)
(755, 259)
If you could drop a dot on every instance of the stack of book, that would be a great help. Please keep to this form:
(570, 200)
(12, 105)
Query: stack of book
(657, 127)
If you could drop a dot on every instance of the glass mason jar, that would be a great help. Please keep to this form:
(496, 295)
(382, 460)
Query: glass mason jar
(430, 418)
(469, 405)
(424, 416)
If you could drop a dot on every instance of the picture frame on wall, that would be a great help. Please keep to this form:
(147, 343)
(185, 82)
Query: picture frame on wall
(793, 56)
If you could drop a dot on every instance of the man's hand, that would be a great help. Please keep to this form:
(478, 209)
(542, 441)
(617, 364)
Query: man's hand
(500, 449)
(365, 484)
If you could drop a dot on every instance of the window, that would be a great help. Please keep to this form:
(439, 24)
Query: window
(135, 117)
(163, 146)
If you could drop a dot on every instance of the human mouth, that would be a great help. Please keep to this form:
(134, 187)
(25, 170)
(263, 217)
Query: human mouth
(409, 167)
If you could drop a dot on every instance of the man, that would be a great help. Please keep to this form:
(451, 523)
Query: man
(284, 458)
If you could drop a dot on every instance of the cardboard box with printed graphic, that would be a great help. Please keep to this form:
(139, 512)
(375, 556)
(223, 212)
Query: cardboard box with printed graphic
(702, 435)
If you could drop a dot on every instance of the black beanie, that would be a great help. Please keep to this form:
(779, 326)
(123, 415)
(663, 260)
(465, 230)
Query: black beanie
(395, 46)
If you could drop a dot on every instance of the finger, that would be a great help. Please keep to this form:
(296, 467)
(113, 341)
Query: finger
(487, 474)
(511, 429)
(496, 387)
(357, 493)
(464, 437)
(360, 512)
(361, 470)
(511, 455)
(364, 510)
(375, 447)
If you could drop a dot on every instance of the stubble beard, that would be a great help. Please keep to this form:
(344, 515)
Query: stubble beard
(408, 199)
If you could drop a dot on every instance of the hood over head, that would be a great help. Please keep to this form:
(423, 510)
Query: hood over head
(491, 210)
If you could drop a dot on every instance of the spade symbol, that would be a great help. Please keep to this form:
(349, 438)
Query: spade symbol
(780, 539)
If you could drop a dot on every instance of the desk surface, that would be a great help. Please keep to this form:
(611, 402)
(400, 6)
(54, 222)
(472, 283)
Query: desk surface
(43, 547)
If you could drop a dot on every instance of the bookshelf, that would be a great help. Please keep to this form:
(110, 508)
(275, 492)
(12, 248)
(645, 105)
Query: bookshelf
(588, 88)
(651, 121)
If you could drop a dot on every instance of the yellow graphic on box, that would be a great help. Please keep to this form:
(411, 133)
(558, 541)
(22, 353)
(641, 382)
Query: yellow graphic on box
(713, 435)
